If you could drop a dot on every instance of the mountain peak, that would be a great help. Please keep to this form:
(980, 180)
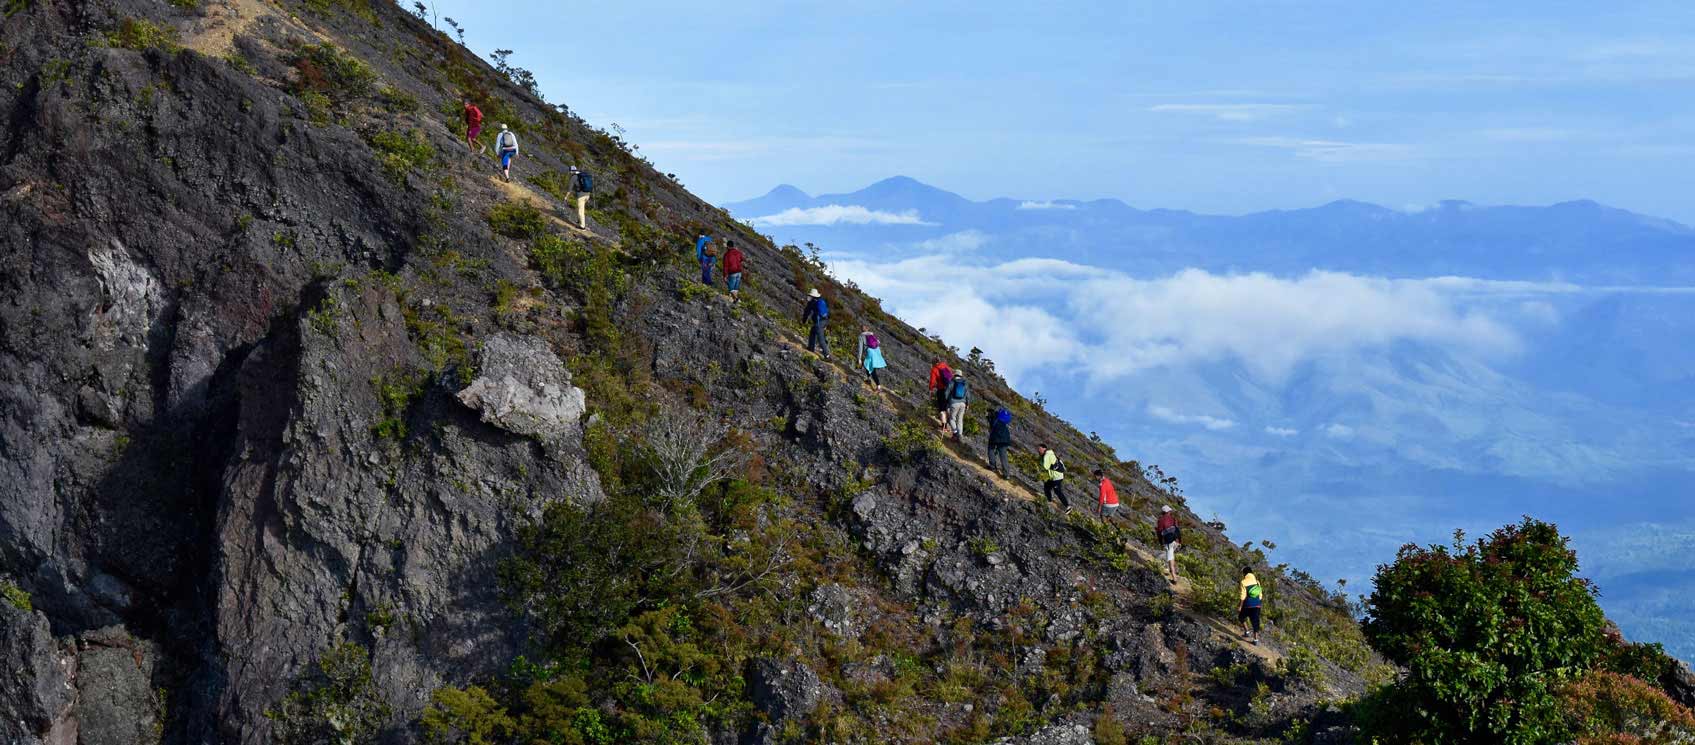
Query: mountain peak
(787, 191)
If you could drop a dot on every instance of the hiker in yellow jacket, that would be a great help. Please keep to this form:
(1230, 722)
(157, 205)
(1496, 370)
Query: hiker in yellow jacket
(1053, 476)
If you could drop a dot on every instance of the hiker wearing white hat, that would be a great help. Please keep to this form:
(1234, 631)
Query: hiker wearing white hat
(1170, 535)
(507, 145)
(817, 312)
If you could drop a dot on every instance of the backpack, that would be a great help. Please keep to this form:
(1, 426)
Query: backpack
(1058, 465)
(585, 182)
(958, 390)
(1254, 594)
(508, 141)
(1172, 535)
(711, 250)
(823, 308)
(871, 341)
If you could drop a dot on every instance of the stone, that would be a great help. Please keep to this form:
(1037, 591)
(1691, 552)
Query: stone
(523, 388)
(35, 681)
(785, 690)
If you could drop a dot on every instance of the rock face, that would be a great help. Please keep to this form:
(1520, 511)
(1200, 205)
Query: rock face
(271, 383)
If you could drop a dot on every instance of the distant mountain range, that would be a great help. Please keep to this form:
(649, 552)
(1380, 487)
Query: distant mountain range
(1578, 241)
(1339, 379)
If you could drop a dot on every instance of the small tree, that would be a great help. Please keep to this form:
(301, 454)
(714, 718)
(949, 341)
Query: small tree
(687, 453)
(1488, 633)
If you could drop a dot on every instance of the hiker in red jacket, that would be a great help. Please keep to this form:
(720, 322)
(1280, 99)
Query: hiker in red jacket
(1108, 505)
(733, 270)
(473, 127)
(941, 379)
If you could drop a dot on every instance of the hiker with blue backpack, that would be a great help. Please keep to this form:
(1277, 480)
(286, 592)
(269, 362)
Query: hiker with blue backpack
(957, 395)
(817, 312)
(582, 184)
(1000, 440)
(707, 252)
(871, 357)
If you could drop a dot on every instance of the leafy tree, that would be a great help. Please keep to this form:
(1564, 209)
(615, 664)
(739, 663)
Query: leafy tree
(1488, 633)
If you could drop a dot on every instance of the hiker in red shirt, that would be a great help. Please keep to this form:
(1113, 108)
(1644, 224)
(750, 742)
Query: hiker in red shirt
(733, 271)
(941, 379)
(1169, 535)
(1108, 506)
(473, 127)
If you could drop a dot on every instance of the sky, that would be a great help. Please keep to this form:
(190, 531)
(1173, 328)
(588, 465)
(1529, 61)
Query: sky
(1222, 107)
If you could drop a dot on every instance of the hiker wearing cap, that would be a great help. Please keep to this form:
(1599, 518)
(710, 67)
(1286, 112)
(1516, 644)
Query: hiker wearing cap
(1171, 536)
(507, 145)
(733, 270)
(817, 312)
(707, 251)
(957, 393)
(1252, 598)
(582, 184)
(871, 357)
(1000, 440)
(1107, 507)
(941, 380)
(1053, 476)
(473, 127)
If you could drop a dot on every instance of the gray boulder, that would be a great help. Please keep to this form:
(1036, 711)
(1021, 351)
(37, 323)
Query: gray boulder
(35, 681)
(523, 388)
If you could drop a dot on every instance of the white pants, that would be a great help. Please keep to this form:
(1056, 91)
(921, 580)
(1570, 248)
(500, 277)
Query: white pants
(583, 211)
(956, 418)
(1171, 551)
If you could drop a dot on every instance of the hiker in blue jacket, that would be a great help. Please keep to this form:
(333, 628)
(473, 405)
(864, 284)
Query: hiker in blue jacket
(817, 312)
(1000, 440)
(707, 252)
(871, 357)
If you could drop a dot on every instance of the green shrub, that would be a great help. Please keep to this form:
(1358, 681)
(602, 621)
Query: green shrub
(466, 716)
(141, 35)
(318, 108)
(15, 596)
(519, 221)
(338, 702)
(401, 154)
(1487, 633)
(396, 391)
(911, 442)
(360, 8)
(397, 100)
(325, 69)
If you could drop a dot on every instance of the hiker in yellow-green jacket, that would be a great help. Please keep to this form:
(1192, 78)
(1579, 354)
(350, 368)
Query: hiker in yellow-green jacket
(1252, 598)
(1053, 476)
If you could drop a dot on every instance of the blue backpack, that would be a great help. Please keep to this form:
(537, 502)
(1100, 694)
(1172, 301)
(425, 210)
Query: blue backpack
(585, 182)
(823, 308)
(958, 390)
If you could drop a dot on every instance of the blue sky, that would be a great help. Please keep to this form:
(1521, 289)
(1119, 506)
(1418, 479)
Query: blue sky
(1213, 106)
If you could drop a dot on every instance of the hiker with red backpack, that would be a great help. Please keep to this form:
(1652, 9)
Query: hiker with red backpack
(733, 270)
(871, 357)
(941, 381)
(1171, 536)
(473, 127)
(707, 253)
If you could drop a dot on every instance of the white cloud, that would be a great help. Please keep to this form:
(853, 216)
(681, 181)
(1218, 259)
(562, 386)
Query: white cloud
(1046, 206)
(1338, 431)
(1166, 414)
(1033, 314)
(837, 214)
(964, 241)
(1331, 151)
(1229, 112)
(1282, 431)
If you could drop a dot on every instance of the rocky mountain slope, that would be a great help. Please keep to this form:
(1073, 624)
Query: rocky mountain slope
(290, 382)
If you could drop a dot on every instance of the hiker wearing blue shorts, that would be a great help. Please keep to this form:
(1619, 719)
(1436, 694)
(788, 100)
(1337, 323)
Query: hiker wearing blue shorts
(507, 145)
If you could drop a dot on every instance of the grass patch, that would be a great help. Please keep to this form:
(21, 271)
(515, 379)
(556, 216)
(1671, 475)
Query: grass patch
(141, 35)
(520, 221)
(397, 392)
(15, 596)
(401, 154)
